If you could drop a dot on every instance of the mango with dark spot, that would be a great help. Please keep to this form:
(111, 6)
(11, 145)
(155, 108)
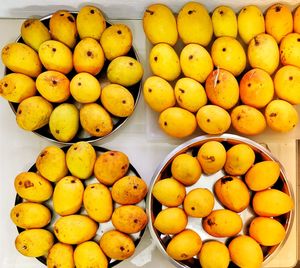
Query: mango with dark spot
(54, 258)
(224, 22)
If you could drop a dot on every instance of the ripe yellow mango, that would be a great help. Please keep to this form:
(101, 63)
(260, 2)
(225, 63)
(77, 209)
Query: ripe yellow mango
(194, 24)
(296, 18)
(224, 22)
(54, 258)
(289, 49)
(160, 25)
(271, 203)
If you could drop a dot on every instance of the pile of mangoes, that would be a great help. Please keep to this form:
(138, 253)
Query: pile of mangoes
(241, 179)
(54, 68)
(62, 186)
(232, 69)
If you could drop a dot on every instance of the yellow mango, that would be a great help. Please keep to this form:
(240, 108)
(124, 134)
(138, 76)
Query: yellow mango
(296, 19)
(224, 22)
(184, 245)
(289, 49)
(272, 203)
(159, 25)
(54, 258)
(194, 24)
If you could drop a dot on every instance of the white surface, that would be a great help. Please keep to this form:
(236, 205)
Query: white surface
(18, 150)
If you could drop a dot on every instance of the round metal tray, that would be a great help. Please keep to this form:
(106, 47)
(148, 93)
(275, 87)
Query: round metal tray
(103, 227)
(192, 146)
(82, 135)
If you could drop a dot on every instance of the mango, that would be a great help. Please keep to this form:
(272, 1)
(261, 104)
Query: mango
(116, 40)
(213, 119)
(29, 215)
(232, 193)
(263, 53)
(227, 53)
(250, 23)
(98, 202)
(117, 100)
(34, 33)
(267, 231)
(75, 229)
(196, 62)
(199, 203)
(56, 56)
(81, 157)
(110, 167)
(54, 258)
(64, 122)
(247, 120)
(222, 223)
(222, 88)
(34, 242)
(186, 169)
(194, 24)
(89, 254)
(53, 86)
(245, 252)
(158, 93)
(33, 187)
(296, 19)
(262, 175)
(95, 120)
(129, 190)
(62, 26)
(159, 25)
(90, 22)
(281, 116)
(190, 94)
(88, 56)
(286, 83)
(67, 196)
(177, 122)
(212, 157)
(272, 203)
(117, 245)
(224, 22)
(256, 88)
(169, 192)
(129, 219)
(184, 245)
(164, 62)
(239, 158)
(214, 254)
(289, 49)
(279, 21)
(170, 221)
(16, 87)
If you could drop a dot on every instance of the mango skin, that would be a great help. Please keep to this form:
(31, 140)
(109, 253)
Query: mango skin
(30, 215)
(262, 175)
(199, 203)
(171, 221)
(272, 203)
(214, 254)
(186, 169)
(159, 25)
(75, 229)
(296, 18)
(224, 22)
(98, 202)
(90, 22)
(67, 196)
(16, 87)
(20, 58)
(250, 23)
(34, 33)
(169, 192)
(245, 252)
(177, 122)
(233, 193)
(278, 21)
(33, 187)
(89, 254)
(267, 231)
(222, 223)
(194, 24)
(184, 245)
(54, 258)
(34, 242)
(289, 50)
